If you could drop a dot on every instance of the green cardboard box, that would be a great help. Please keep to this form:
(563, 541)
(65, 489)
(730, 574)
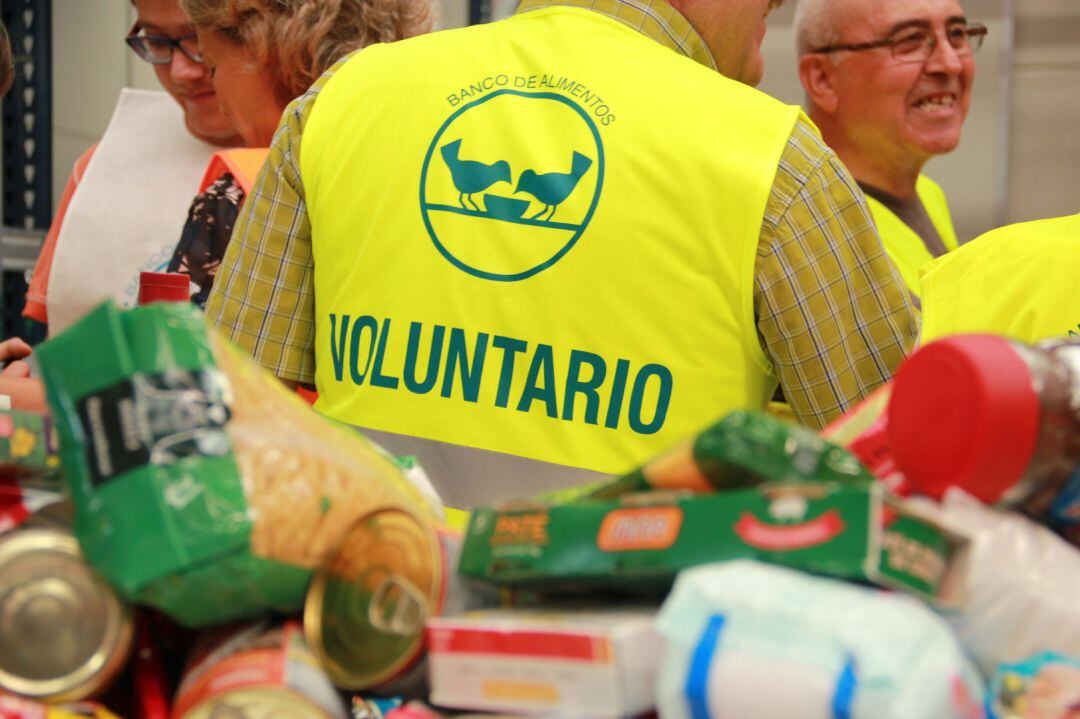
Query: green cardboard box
(640, 542)
(28, 450)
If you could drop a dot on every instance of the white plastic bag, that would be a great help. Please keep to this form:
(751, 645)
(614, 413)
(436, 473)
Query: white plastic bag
(746, 640)
(1023, 593)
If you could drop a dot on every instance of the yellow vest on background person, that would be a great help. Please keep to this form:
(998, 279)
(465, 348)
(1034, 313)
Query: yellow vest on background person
(549, 250)
(1019, 281)
(904, 246)
(243, 163)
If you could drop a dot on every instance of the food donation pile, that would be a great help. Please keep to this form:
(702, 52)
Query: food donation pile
(185, 538)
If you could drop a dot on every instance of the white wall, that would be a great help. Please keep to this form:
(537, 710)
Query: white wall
(92, 63)
(1045, 113)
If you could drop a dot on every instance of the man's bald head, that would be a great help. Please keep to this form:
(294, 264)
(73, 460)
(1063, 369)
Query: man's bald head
(817, 23)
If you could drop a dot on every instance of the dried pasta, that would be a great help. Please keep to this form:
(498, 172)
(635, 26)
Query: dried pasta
(307, 482)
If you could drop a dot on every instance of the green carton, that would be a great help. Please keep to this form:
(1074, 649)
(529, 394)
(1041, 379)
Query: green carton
(140, 408)
(640, 542)
(28, 450)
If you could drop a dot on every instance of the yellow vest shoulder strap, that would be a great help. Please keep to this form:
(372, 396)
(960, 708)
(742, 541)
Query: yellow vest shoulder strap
(903, 245)
(933, 199)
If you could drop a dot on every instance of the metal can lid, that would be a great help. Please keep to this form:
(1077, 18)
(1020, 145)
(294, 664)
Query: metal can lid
(366, 608)
(64, 634)
(257, 702)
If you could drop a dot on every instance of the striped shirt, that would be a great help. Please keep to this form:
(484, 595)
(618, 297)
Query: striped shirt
(832, 312)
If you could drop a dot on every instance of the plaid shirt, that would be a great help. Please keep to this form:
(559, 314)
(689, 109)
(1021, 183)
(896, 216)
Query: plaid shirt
(832, 312)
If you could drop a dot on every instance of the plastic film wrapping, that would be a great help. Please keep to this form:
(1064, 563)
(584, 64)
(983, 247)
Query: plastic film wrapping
(201, 485)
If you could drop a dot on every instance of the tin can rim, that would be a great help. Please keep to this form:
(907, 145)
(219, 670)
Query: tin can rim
(314, 602)
(113, 652)
(267, 691)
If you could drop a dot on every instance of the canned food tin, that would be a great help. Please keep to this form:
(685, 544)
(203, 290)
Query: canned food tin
(366, 608)
(257, 673)
(13, 707)
(257, 703)
(64, 634)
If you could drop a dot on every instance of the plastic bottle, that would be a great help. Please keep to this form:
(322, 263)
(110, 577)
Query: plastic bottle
(995, 417)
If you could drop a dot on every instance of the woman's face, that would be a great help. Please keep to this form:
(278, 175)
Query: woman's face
(245, 88)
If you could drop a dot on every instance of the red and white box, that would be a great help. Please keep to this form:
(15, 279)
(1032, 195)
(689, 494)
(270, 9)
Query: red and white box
(596, 664)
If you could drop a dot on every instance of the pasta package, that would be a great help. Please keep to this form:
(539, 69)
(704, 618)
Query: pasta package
(201, 485)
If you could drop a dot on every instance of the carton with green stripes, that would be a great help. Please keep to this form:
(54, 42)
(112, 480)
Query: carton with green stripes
(638, 543)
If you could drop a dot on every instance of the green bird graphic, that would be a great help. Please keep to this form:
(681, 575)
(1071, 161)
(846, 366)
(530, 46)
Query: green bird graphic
(553, 188)
(470, 176)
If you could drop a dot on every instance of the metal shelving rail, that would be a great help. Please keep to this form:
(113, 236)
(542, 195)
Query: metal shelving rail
(26, 171)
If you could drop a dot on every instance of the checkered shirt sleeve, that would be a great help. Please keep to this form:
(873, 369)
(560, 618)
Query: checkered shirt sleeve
(264, 296)
(832, 312)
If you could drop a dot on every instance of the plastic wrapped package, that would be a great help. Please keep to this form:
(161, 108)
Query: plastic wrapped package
(201, 485)
(1046, 686)
(744, 449)
(746, 640)
(1023, 593)
(306, 480)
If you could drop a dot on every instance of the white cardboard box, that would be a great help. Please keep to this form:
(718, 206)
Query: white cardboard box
(594, 664)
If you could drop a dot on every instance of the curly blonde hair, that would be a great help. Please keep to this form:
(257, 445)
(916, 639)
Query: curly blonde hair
(301, 39)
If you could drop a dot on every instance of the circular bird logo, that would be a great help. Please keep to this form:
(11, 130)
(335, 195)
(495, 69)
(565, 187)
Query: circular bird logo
(510, 183)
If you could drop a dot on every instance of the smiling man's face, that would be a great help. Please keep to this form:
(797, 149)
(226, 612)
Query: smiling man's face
(914, 108)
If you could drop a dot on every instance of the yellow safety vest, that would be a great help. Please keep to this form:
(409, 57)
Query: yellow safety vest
(1018, 281)
(905, 248)
(538, 237)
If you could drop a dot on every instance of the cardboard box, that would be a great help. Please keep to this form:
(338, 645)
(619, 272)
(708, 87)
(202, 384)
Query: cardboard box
(28, 450)
(597, 664)
(639, 543)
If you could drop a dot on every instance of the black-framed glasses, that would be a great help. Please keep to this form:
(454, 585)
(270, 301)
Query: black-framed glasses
(919, 43)
(158, 49)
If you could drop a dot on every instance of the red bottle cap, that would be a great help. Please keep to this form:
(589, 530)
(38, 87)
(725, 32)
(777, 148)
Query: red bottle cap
(163, 287)
(965, 413)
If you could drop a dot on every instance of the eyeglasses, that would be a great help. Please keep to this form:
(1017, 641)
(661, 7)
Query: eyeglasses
(918, 44)
(158, 49)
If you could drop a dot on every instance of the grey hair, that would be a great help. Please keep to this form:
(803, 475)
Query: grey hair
(815, 24)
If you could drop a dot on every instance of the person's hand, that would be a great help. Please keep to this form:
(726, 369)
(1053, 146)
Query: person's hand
(14, 349)
(12, 352)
